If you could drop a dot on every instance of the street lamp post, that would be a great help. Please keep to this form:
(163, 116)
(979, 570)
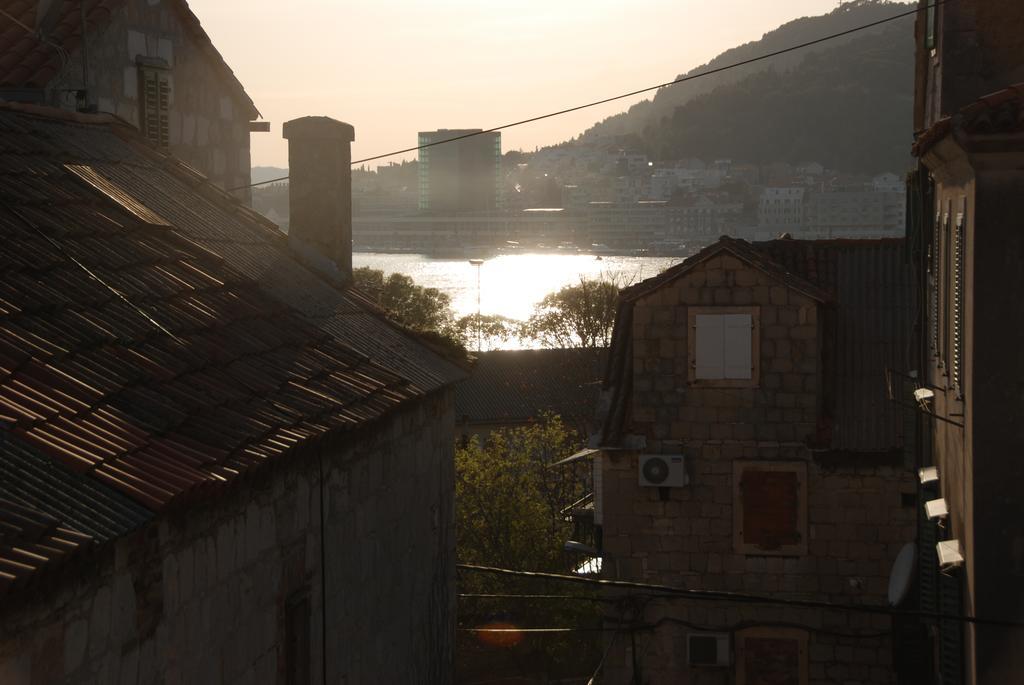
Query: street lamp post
(477, 263)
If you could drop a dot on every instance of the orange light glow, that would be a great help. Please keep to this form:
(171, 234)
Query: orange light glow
(499, 634)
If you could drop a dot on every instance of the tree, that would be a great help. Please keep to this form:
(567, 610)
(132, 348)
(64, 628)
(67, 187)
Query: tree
(489, 330)
(508, 500)
(508, 513)
(426, 309)
(580, 315)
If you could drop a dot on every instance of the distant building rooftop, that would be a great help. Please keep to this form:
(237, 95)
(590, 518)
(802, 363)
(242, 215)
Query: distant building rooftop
(518, 386)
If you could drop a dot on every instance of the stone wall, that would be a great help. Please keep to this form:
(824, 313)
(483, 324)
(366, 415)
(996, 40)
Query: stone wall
(859, 512)
(209, 123)
(784, 406)
(200, 596)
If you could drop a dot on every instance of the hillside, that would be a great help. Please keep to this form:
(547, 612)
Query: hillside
(849, 108)
(793, 107)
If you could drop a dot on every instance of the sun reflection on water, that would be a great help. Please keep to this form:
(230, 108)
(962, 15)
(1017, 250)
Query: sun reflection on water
(510, 285)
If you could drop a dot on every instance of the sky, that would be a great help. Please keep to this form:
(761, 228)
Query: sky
(392, 68)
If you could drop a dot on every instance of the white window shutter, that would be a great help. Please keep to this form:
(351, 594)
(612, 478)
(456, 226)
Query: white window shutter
(710, 355)
(738, 355)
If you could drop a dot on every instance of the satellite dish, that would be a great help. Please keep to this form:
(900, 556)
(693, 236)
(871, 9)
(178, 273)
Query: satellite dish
(655, 470)
(902, 574)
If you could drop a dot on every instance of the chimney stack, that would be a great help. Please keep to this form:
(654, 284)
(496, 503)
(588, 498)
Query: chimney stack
(320, 193)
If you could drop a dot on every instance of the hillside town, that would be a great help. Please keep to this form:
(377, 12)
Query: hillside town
(232, 452)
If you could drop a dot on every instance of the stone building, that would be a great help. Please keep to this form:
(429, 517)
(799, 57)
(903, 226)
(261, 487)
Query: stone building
(148, 61)
(965, 209)
(748, 446)
(219, 463)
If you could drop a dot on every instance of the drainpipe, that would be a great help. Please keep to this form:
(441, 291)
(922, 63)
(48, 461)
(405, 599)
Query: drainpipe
(84, 106)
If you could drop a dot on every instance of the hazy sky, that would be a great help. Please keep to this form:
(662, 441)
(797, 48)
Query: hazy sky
(394, 67)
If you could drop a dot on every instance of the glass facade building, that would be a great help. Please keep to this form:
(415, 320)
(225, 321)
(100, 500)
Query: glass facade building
(460, 176)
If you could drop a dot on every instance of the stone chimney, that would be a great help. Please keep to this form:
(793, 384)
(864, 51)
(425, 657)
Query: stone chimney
(320, 193)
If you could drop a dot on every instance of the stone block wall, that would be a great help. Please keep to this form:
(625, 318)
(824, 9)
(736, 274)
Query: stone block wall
(858, 520)
(200, 596)
(860, 513)
(784, 404)
(209, 124)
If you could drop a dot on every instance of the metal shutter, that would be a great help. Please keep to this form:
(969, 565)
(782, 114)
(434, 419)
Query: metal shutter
(951, 634)
(958, 301)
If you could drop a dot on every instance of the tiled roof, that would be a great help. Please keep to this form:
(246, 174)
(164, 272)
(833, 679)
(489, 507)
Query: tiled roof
(31, 542)
(48, 512)
(744, 251)
(865, 287)
(999, 112)
(159, 352)
(514, 386)
(32, 478)
(28, 60)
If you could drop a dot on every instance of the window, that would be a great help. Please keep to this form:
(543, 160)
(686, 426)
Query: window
(770, 508)
(930, 21)
(771, 656)
(723, 349)
(933, 282)
(155, 104)
(296, 635)
(945, 286)
(957, 316)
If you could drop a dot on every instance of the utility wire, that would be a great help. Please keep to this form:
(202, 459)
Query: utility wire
(38, 35)
(683, 79)
(575, 629)
(670, 592)
(604, 657)
(92, 274)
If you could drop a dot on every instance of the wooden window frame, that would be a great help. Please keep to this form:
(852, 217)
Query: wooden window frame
(155, 109)
(755, 348)
(740, 545)
(795, 634)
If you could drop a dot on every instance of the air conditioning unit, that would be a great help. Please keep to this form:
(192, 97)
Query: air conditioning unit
(950, 554)
(707, 649)
(662, 471)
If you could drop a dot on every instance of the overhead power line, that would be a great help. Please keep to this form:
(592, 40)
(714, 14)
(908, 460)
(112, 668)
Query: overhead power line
(640, 91)
(670, 592)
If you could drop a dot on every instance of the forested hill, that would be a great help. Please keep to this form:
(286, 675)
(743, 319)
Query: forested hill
(845, 103)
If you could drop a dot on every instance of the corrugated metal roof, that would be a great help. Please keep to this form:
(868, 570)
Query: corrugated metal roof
(140, 356)
(512, 386)
(866, 290)
(869, 325)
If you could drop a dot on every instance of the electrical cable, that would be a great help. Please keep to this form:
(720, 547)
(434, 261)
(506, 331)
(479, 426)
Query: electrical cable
(604, 657)
(92, 274)
(640, 91)
(58, 48)
(669, 592)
